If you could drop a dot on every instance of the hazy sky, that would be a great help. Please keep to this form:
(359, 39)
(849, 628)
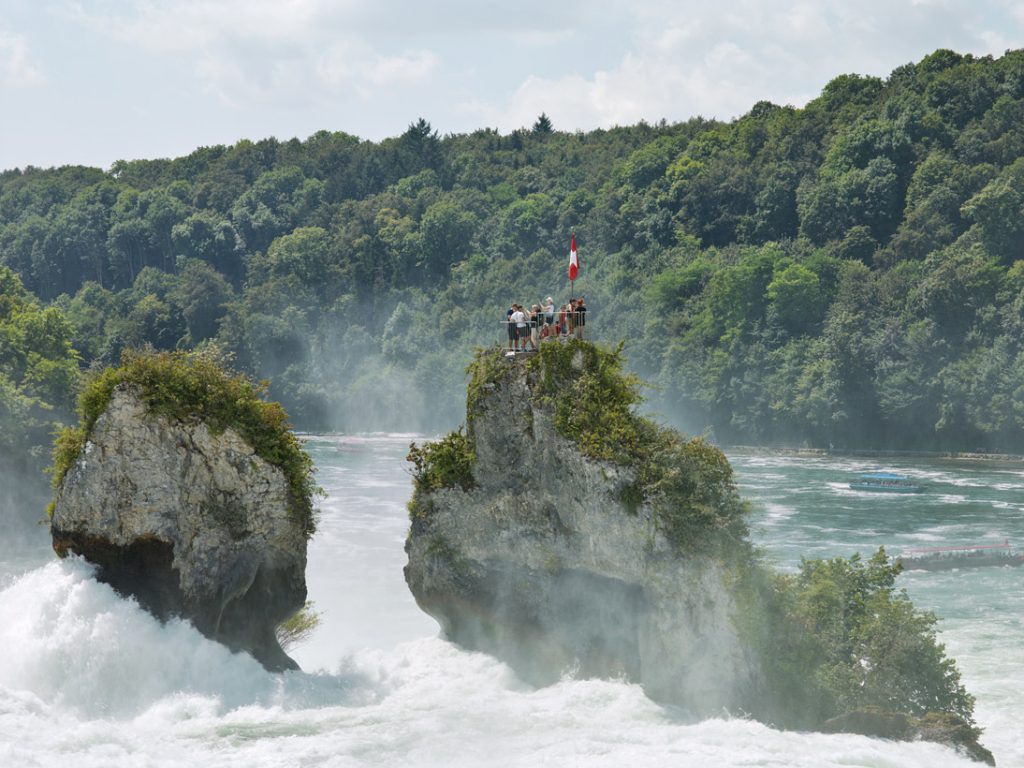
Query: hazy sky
(94, 81)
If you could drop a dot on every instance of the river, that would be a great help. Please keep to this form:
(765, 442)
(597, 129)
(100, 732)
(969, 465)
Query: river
(88, 679)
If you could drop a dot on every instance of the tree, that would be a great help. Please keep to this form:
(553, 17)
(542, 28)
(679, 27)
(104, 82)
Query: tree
(848, 640)
(446, 232)
(998, 212)
(543, 125)
(797, 298)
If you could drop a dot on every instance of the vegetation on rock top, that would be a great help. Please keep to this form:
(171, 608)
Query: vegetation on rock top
(687, 482)
(591, 399)
(196, 387)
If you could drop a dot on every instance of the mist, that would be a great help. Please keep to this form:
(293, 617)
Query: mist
(23, 499)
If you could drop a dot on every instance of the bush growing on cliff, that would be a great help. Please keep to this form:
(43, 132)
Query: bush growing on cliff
(688, 482)
(446, 463)
(298, 628)
(838, 637)
(195, 386)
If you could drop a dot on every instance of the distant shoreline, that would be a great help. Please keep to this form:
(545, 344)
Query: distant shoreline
(958, 456)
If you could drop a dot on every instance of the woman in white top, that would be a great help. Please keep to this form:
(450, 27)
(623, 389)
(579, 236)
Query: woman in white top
(549, 310)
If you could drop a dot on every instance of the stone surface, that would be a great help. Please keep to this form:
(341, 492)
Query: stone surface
(541, 565)
(190, 523)
(942, 729)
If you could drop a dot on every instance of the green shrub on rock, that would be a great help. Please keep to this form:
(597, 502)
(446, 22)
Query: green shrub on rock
(838, 637)
(446, 463)
(688, 483)
(195, 386)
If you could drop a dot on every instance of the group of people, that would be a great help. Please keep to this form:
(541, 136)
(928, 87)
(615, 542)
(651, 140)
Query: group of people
(528, 327)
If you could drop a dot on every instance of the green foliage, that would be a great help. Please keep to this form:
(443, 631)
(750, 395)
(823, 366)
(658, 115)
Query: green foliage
(445, 463)
(838, 637)
(299, 627)
(591, 398)
(486, 370)
(323, 264)
(688, 483)
(196, 387)
(38, 376)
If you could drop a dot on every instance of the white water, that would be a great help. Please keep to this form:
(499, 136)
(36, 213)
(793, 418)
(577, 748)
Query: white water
(88, 679)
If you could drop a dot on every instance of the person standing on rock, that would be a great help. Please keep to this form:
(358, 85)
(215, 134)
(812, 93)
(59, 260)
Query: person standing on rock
(511, 326)
(536, 320)
(581, 317)
(518, 319)
(549, 311)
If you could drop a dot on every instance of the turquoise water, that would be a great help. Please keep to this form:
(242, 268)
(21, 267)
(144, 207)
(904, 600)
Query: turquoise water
(87, 679)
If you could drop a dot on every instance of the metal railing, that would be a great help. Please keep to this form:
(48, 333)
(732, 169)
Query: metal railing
(542, 327)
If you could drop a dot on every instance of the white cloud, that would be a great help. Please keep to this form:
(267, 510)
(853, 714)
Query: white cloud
(806, 19)
(189, 25)
(690, 58)
(292, 67)
(16, 67)
(260, 51)
(352, 63)
(640, 88)
(678, 34)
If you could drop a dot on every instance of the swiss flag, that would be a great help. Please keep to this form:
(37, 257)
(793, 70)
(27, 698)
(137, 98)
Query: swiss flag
(574, 261)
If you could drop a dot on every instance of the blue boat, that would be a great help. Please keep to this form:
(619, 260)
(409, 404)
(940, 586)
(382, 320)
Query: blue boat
(886, 482)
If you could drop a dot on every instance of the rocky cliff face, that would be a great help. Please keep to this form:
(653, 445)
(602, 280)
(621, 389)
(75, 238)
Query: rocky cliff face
(563, 533)
(541, 560)
(191, 523)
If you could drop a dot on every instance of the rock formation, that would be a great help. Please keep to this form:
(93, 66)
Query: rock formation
(190, 522)
(541, 561)
(563, 534)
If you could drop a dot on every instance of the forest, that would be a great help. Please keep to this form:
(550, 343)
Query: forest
(849, 273)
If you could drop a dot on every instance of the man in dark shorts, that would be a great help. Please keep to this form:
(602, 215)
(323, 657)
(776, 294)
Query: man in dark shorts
(511, 326)
(581, 317)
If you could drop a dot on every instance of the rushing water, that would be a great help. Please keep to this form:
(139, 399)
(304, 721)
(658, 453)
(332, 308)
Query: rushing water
(88, 679)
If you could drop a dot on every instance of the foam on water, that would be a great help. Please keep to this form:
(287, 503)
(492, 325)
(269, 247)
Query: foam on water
(89, 680)
(94, 681)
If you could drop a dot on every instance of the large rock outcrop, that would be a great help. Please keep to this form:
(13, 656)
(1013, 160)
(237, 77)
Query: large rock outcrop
(563, 533)
(190, 522)
(541, 559)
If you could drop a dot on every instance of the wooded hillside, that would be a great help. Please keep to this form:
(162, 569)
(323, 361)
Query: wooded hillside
(851, 272)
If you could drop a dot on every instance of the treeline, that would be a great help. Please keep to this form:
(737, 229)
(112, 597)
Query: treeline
(845, 273)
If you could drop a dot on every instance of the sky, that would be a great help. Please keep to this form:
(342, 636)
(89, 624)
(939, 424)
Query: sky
(89, 82)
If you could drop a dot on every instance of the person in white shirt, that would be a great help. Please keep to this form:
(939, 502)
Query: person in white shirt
(522, 329)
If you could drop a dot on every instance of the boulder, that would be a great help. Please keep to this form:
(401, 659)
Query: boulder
(188, 521)
(937, 727)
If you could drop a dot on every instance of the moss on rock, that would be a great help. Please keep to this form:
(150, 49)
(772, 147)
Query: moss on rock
(190, 386)
(688, 483)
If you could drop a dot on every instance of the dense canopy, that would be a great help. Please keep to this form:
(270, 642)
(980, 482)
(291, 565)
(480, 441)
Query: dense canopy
(847, 273)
